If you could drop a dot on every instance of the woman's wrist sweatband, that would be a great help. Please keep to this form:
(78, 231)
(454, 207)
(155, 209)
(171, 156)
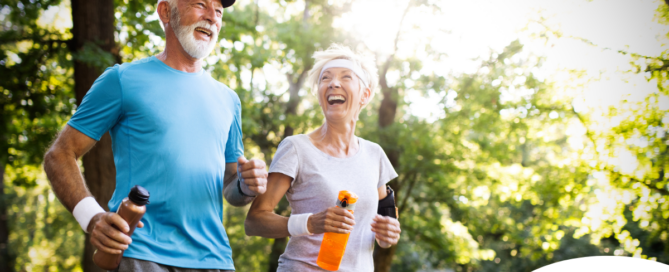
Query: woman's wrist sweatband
(85, 210)
(387, 205)
(297, 224)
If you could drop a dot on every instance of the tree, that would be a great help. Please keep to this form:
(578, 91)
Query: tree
(34, 101)
(483, 187)
(93, 37)
(387, 114)
(632, 157)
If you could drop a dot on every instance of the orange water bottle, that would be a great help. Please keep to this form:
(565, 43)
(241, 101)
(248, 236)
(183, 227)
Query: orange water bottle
(334, 244)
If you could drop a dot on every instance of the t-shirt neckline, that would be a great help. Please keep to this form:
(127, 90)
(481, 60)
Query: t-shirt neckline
(305, 137)
(164, 65)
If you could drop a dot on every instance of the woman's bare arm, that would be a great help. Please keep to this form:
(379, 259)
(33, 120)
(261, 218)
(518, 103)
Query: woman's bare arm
(261, 219)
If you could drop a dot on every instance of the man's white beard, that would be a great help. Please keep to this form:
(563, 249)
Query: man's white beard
(185, 34)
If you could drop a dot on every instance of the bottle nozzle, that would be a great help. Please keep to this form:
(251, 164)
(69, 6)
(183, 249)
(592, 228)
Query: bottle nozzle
(347, 200)
(139, 195)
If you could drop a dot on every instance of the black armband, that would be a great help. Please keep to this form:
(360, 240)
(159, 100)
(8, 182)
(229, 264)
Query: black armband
(387, 205)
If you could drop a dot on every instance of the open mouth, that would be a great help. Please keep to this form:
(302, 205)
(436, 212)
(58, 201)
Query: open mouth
(203, 30)
(336, 99)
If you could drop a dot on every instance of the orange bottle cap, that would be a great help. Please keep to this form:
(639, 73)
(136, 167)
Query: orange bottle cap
(347, 200)
(351, 197)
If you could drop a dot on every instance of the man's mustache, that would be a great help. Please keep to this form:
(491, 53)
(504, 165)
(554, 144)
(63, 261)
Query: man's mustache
(206, 25)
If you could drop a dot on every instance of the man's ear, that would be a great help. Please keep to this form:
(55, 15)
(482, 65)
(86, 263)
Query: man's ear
(164, 11)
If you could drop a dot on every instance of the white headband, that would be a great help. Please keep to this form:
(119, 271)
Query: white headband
(344, 63)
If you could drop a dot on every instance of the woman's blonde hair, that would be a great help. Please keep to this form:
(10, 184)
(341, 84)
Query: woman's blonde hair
(336, 51)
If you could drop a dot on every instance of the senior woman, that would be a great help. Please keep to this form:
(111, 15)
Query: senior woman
(310, 169)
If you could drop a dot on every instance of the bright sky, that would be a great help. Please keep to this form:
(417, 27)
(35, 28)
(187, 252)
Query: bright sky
(467, 30)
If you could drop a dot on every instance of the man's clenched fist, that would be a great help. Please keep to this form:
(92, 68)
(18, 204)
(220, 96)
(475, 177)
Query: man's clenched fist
(253, 175)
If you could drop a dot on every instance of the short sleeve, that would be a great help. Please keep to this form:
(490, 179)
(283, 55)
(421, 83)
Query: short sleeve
(285, 159)
(386, 170)
(234, 148)
(101, 107)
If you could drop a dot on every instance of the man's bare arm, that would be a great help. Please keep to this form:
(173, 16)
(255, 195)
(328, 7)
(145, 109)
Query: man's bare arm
(60, 165)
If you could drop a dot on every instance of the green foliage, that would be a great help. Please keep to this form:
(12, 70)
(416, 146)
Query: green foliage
(35, 100)
(489, 177)
(248, 253)
(44, 235)
(633, 158)
(95, 57)
(35, 82)
(137, 29)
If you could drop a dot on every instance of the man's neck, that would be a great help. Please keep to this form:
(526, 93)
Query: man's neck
(176, 57)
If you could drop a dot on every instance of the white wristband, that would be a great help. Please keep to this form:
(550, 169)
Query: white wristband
(297, 224)
(85, 210)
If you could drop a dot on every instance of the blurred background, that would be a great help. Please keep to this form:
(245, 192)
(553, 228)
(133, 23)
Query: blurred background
(524, 132)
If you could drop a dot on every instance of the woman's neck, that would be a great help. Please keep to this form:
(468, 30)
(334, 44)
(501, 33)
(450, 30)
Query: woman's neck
(337, 140)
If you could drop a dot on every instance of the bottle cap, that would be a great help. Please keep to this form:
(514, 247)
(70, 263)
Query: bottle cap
(347, 200)
(139, 195)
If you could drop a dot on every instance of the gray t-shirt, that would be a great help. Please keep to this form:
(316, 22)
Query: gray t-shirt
(317, 180)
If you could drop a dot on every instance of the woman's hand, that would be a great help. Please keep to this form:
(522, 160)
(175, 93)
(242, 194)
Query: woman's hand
(334, 219)
(387, 230)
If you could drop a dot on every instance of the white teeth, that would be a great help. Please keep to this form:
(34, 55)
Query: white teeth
(336, 97)
(203, 31)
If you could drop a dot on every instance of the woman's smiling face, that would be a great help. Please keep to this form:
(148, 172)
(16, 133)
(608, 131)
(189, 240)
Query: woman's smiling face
(340, 95)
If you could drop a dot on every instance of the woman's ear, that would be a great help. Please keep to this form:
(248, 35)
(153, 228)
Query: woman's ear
(366, 96)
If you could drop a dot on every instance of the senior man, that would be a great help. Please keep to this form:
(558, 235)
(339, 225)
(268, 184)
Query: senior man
(175, 131)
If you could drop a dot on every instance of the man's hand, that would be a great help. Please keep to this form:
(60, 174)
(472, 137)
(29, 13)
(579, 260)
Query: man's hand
(253, 175)
(109, 232)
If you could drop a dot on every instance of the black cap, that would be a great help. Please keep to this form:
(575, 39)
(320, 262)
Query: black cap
(139, 195)
(227, 3)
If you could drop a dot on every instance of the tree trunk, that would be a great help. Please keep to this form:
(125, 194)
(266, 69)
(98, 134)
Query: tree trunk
(294, 97)
(387, 113)
(383, 257)
(93, 22)
(100, 175)
(279, 244)
(6, 260)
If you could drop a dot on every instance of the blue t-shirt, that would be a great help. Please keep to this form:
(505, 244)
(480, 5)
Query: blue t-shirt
(172, 133)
